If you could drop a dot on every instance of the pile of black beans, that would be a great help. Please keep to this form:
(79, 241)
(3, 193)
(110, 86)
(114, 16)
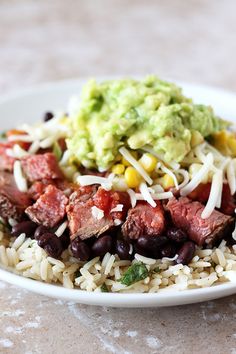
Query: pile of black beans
(174, 242)
(46, 238)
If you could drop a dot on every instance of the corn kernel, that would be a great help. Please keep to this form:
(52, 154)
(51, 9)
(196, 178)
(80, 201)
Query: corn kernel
(125, 162)
(166, 181)
(220, 141)
(148, 162)
(118, 169)
(232, 145)
(196, 138)
(132, 177)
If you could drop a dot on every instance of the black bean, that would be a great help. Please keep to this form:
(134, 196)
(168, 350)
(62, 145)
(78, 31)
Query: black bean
(122, 249)
(41, 230)
(186, 253)
(80, 250)
(168, 250)
(26, 227)
(151, 242)
(140, 250)
(51, 244)
(65, 240)
(102, 245)
(48, 116)
(177, 235)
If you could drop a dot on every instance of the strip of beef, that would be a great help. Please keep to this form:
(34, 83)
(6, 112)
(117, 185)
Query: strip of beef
(6, 162)
(186, 215)
(202, 192)
(82, 223)
(41, 166)
(144, 220)
(12, 202)
(50, 208)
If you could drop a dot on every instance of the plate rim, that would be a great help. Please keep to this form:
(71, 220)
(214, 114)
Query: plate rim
(165, 298)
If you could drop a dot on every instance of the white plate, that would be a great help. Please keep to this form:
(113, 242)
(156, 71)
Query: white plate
(28, 106)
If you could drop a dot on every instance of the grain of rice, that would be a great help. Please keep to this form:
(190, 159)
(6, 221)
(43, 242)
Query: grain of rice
(3, 256)
(105, 259)
(195, 259)
(109, 265)
(72, 269)
(67, 283)
(24, 245)
(203, 253)
(221, 257)
(61, 229)
(86, 274)
(44, 269)
(122, 263)
(24, 265)
(143, 259)
(56, 262)
(91, 263)
(200, 264)
(12, 222)
(18, 241)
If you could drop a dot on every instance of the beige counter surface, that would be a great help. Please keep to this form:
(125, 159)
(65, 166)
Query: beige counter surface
(42, 41)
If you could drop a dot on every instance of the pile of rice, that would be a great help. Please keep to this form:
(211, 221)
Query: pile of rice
(209, 266)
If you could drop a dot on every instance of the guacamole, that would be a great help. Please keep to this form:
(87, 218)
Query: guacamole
(135, 113)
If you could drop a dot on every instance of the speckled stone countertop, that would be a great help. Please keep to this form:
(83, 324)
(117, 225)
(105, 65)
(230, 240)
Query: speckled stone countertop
(42, 41)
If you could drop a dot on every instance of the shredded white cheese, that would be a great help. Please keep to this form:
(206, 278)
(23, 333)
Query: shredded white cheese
(132, 195)
(88, 180)
(156, 196)
(199, 176)
(117, 222)
(171, 174)
(20, 180)
(124, 152)
(186, 177)
(118, 208)
(216, 184)
(97, 213)
(146, 194)
(230, 171)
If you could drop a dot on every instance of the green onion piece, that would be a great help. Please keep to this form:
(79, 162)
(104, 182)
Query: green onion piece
(77, 274)
(156, 270)
(136, 272)
(57, 151)
(104, 288)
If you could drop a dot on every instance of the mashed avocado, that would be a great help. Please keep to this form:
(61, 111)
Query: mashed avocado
(136, 113)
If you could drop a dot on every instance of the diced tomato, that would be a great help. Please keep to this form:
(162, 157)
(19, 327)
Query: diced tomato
(24, 144)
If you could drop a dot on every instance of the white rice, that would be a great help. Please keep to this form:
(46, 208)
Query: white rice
(208, 267)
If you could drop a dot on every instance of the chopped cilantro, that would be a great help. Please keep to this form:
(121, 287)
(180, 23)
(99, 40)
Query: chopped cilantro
(156, 270)
(104, 288)
(136, 272)
(3, 135)
(57, 150)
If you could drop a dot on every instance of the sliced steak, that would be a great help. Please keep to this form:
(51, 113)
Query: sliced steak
(202, 192)
(50, 208)
(186, 215)
(6, 162)
(41, 166)
(38, 188)
(12, 202)
(144, 220)
(82, 223)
